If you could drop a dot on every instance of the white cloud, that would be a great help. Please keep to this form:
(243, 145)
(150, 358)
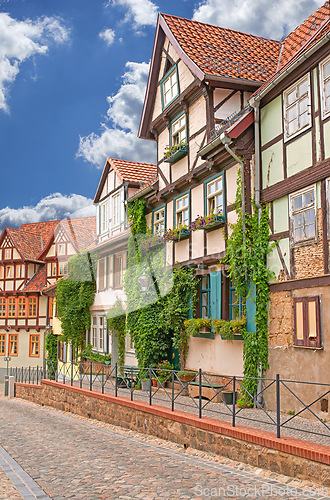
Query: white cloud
(142, 12)
(21, 40)
(108, 35)
(260, 17)
(118, 137)
(53, 207)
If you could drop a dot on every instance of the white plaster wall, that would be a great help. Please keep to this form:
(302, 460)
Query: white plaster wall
(326, 135)
(299, 154)
(231, 186)
(197, 115)
(216, 356)
(180, 168)
(272, 165)
(281, 214)
(165, 168)
(273, 259)
(182, 250)
(163, 141)
(16, 255)
(215, 241)
(197, 244)
(194, 146)
(185, 76)
(271, 120)
(23, 358)
(229, 107)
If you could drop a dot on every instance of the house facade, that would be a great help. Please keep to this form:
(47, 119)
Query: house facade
(33, 257)
(294, 160)
(119, 181)
(196, 108)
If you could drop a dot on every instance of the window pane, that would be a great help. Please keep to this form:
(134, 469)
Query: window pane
(309, 217)
(298, 220)
(292, 113)
(299, 321)
(303, 88)
(219, 202)
(291, 97)
(219, 184)
(299, 234)
(326, 70)
(293, 127)
(312, 331)
(309, 197)
(310, 231)
(211, 188)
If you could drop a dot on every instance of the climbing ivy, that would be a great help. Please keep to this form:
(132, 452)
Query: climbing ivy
(247, 250)
(117, 325)
(51, 350)
(74, 296)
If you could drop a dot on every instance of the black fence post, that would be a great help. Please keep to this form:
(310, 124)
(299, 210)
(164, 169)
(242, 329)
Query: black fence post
(116, 380)
(91, 376)
(71, 372)
(173, 391)
(37, 375)
(278, 407)
(131, 384)
(103, 379)
(200, 393)
(81, 373)
(16, 375)
(234, 401)
(29, 374)
(150, 386)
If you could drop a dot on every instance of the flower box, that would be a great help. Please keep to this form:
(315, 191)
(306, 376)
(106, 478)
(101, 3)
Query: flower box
(202, 335)
(177, 154)
(182, 234)
(218, 220)
(237, 336)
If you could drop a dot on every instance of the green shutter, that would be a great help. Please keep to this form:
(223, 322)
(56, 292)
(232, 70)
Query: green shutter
(251, 309)
(215, 295)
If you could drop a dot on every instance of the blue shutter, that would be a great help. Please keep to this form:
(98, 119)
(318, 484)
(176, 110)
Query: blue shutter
(251, 309)
(215, 295)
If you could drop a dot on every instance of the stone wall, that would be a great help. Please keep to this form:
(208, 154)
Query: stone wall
(286, 456)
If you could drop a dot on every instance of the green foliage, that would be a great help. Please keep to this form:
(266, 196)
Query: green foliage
(88, 353)
(74, 296)
(117, 324)
(227, 329)
(51, 350)
(181, 299)
(247, 250)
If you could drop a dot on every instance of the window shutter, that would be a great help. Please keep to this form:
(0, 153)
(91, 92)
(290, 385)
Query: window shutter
(105, 335)
(122, 206)
(215, 294)
(98, 220)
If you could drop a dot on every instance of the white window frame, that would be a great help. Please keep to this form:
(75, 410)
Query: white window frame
(116, 209)
(297, 102)
(179, 218)
(323, 80)
(62, 268)
(211, 197)
(159, 222)
(102, 277)
(61, 250)
(179, 134)
(98, 332)
(94, 330)
(173, 89)
(104, 217)
(302, 210)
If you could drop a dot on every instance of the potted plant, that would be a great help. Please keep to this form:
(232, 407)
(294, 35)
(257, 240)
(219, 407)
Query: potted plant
(186, 376)
(175, 152)
(199, 327)
(164, 372)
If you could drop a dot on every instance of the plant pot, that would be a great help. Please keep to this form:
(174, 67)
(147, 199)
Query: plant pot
(154, 382)
(228, 397)
(182, 234)
(218, 221)
(145, 385)
(177, 154)
(186, 378)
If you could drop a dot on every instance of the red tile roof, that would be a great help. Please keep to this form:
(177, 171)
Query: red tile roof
(225, 52)
(30, 239)
(82, 231)
(38, 281)
(132, 170)
(303, 33)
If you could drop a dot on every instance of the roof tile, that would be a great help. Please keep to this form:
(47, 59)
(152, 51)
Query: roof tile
(132, 170)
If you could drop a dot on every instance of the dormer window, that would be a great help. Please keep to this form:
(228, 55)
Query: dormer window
(170, 86)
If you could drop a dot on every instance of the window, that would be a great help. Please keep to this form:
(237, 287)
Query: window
(179, 130)
(169, 87)
(104, 217)
(325, 87)
(94, 331)
(18, 271)
(182, 211)
(118, 275)
(159, 222)
(2, 272)
(296, 102)
(62, 268)
(9, 271)
(102, 274)
(13, 345)
(116, 209)
(205, 297)
(32, 307)
(34, 345)
(2, 344)
(236, 304)
(214, 196)
(61, 351)
(307, 324)
(50, 307)
(21, 307)
(303, 216)
(61, 249)
(11, 307)
(54, 270)
(2, 308)
(101, 332)
(8, 253)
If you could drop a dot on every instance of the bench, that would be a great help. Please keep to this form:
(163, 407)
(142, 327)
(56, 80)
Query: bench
(207, 391)
(128, 377)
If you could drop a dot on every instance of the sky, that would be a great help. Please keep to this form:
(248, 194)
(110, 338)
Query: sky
(72, 83)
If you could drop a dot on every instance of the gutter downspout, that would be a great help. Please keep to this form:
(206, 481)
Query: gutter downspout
(226, 141)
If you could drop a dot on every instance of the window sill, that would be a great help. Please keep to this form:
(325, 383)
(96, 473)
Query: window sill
(308, 347)
(177, 155)
(304, 243)
(219, 220)
(182, 235)
(203, 335)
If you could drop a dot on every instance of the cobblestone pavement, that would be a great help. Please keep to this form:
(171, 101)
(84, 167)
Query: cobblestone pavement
(74, 457)
(7, 489)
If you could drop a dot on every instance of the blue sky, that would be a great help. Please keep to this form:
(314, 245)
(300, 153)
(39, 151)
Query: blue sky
(72, 83)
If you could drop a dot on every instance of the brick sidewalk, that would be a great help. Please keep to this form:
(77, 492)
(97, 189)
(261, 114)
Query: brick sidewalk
(78, 458)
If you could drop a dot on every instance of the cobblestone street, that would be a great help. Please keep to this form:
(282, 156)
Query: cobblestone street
(73, 457)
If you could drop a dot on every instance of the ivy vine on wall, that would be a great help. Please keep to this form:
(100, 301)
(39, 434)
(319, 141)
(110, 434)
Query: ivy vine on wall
(117, 325)
(247, 250)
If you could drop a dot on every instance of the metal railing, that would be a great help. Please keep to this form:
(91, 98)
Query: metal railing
(189, 395)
